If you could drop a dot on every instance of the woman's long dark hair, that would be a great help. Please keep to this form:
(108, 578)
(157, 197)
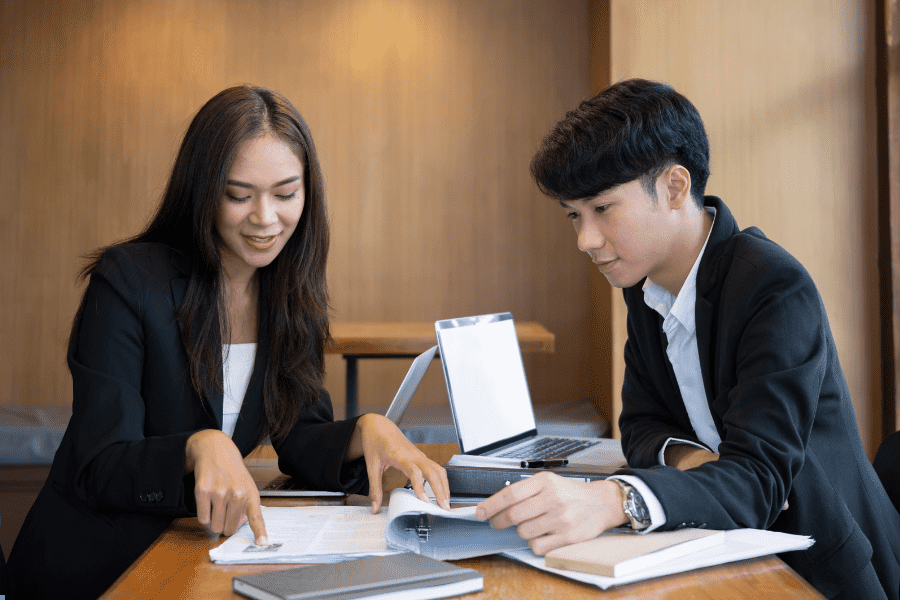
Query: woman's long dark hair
(293, 286)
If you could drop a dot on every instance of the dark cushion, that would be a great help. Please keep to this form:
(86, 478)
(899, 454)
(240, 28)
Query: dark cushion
(887, 465)
(30, 435)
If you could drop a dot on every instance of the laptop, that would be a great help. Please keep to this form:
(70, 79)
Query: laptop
(491, 406)
(272, 482)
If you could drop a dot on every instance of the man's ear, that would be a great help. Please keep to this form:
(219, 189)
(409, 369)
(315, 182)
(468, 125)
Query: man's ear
(677, 182)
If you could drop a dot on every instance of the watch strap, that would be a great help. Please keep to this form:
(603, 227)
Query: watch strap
(634, 506)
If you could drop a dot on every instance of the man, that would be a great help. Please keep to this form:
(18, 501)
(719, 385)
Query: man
(735, 410)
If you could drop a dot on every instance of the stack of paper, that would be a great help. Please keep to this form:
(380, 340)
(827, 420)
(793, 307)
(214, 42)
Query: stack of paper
(321, 534)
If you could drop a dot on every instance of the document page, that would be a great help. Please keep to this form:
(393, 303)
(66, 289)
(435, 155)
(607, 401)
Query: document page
(309, 534)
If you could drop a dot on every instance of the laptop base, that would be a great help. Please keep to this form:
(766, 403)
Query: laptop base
(485, 481)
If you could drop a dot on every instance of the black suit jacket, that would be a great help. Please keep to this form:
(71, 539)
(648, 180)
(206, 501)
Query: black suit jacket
(781, 406)
(118, 477)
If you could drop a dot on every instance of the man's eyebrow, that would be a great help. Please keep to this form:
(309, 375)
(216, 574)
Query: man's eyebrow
(242, 184)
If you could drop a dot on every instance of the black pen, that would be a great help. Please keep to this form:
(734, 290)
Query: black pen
(544, 463)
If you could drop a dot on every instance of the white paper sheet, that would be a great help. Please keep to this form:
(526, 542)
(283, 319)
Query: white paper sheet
(309, 534)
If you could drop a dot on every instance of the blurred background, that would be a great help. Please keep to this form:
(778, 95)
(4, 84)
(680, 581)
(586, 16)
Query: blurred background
(426, 114)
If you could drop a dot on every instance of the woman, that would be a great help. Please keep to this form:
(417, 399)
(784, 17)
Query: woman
(196, 340)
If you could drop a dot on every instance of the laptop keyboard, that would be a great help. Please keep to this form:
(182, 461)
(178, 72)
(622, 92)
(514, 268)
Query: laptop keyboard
(283, 483)
(548, 447)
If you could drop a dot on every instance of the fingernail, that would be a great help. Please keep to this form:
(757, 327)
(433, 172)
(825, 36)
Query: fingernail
(374, 507)
(263, 541)
(479, 513)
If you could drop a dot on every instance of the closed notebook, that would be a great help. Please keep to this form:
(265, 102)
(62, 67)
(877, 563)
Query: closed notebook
(616, 554)
(395, 576)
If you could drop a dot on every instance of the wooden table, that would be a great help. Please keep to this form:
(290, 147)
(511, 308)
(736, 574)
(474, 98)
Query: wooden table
(355, 340)
(178, 566)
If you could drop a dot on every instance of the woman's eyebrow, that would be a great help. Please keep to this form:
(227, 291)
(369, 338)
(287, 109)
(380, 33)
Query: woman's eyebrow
(243, 184)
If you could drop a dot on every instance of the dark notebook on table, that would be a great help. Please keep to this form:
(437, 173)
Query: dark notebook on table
(397, 575)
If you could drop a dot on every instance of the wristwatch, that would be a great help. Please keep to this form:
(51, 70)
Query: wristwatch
(633, 506)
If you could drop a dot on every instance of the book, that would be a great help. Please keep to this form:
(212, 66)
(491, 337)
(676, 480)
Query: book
(393, 577)
(740, 544)
(617, 553)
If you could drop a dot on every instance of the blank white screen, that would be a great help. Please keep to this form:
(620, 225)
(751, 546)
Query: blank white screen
(486, 377)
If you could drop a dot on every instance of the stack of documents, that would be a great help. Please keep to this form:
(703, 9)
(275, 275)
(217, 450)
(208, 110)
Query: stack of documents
(321, 534)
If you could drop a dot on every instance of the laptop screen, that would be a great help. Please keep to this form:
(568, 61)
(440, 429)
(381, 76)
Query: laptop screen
(485, 380)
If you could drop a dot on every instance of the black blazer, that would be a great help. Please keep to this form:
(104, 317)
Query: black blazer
(781, 406)
(118, 477)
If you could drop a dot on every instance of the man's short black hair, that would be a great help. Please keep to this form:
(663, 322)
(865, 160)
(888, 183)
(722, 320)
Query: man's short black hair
(633, 130)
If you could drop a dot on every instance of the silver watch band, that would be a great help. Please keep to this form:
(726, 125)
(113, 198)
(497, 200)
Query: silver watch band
(634, 506)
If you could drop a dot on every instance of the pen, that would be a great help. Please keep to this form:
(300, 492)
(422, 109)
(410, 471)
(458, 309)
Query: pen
(545, 463)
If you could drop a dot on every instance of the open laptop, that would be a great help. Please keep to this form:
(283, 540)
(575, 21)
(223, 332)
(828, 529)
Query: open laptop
(272, 482)
(492, 411)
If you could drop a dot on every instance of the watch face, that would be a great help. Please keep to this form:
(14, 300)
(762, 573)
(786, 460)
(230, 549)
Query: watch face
(638, 509)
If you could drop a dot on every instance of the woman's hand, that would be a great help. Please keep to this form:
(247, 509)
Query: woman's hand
(552, 511)
(225, 492)
(383, 445)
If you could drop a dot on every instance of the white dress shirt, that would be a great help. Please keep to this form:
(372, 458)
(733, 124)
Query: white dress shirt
(237, 367)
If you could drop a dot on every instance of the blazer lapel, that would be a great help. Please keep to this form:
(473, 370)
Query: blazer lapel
(724, 228)
(704, 314)
(664, 344)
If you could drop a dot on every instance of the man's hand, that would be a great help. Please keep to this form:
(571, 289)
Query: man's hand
(552, 511)
(225, 492)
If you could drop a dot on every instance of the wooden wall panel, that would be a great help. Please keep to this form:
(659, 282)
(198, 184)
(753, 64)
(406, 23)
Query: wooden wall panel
(889, 140)
(425, 114)
(787, 94)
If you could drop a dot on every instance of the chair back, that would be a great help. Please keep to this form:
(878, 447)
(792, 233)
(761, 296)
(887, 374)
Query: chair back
(4, 578)
(887, 466)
